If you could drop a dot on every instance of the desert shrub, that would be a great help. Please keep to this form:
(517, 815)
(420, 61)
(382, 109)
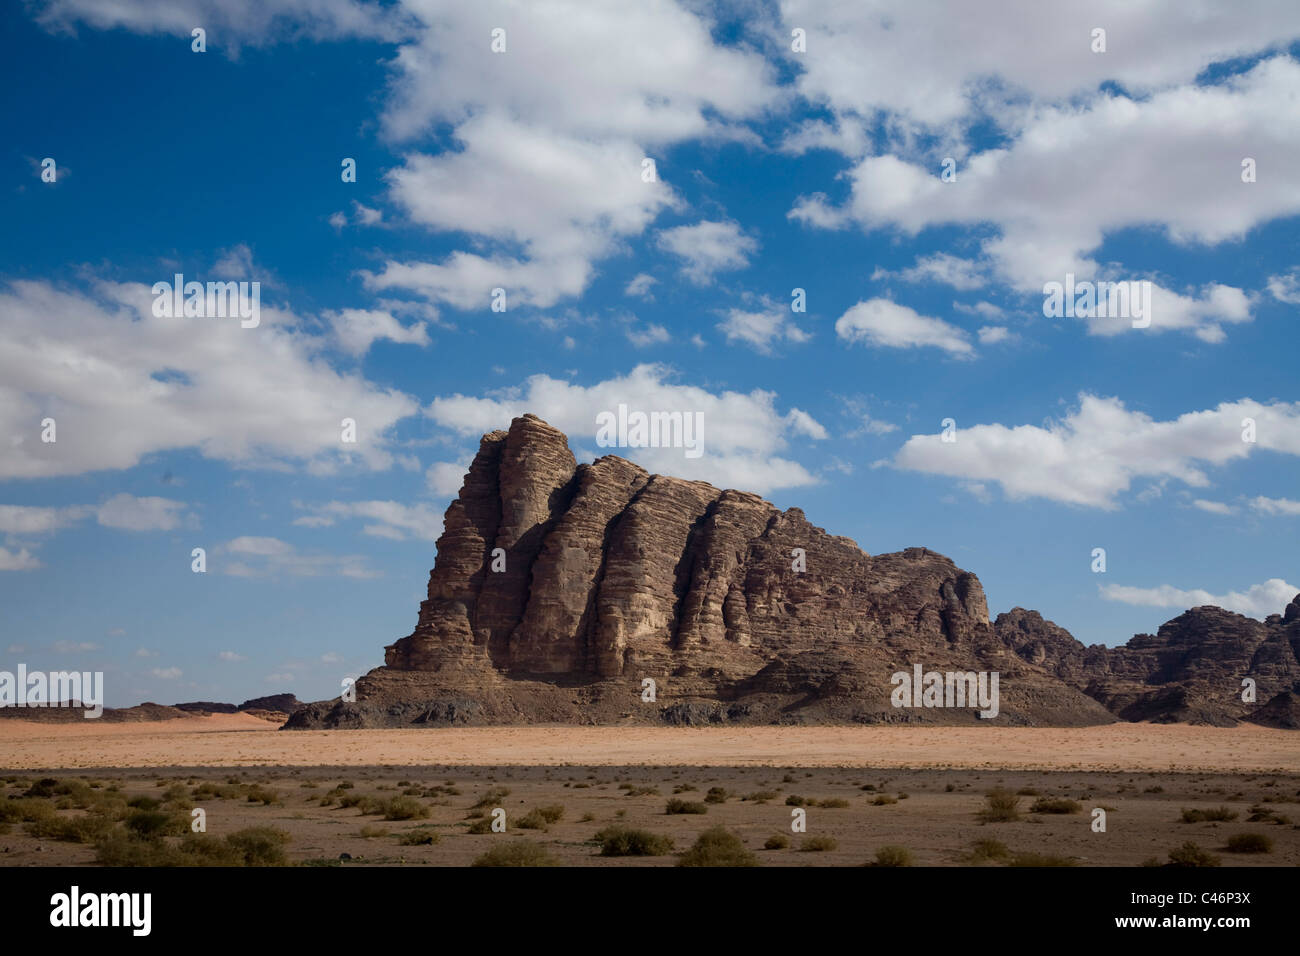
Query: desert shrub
(260, 846)
(1216, 814)
(481, 825)
(369, 833)
(86, 828)
(762, 796)
(119, 849)
(717, 847)
(209, 791)
(492, 798)
(143, 803)
(516, 853)
(420, 836)
(1055, 805)
(153, 824)
(777, 841)
(26, 810)
(625, 841)
(553, 813)
(202, 849)
(883, 800)
(540, 818)
(404, 808)
(259, 794)
(1000, 806)
(1189, 854)
(716, 795)
(794, 800)
(982, 850)
(1028, 792)
(685, 806)
(1250, 843)
(683, 788)
(642, 791)
(833, 803)
(42, 789)
(894, 856)
(254, 846)
(818, 844)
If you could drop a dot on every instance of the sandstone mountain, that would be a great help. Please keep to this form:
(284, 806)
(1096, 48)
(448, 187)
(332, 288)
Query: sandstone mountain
(561, 590)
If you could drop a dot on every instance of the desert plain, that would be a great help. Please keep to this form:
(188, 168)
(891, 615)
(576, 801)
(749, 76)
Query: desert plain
(915, 795)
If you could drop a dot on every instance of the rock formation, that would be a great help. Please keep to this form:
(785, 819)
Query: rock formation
(560, 591)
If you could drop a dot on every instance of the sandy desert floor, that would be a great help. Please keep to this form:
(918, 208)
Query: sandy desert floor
(335, 816)
(862, 788)
(238, 740)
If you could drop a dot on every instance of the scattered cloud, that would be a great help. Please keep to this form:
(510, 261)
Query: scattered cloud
(129, 513)
(356, 330)
(1276, 506)
(885, 324)
(707, 248)
(1286, 287)
(269, 558)
(1258, 601)
(249, 396)
(761, 330)
(1092, 455)
(941, 268)
(640, 285)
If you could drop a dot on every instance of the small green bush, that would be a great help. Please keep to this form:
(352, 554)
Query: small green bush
(1220, 814)
(818, 844)
(1189, 854)
(625, 841)
(419, 837)
(685, 806)
(894, 856)
(718, 847)
(1000, 806)
(516, 853)
(984, 850)
(1250, 843)
(404, 808)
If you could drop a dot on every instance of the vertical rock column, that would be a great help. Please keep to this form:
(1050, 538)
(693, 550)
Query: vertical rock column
(535, 482)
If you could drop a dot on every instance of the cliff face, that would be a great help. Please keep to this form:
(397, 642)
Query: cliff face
(1191, 670)
(560, 589)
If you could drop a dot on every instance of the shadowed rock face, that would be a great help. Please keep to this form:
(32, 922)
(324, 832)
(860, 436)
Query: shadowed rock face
(559, 589)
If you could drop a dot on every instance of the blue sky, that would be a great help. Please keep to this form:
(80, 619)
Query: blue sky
(775, 170)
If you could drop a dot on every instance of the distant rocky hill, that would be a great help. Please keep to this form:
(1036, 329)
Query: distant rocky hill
(560, 591)
(276, 707)
(278, 703)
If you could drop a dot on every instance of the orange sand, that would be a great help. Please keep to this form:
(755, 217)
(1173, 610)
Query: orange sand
(238, 740)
